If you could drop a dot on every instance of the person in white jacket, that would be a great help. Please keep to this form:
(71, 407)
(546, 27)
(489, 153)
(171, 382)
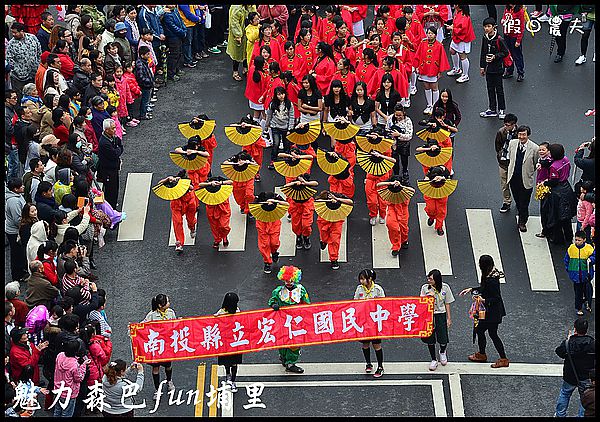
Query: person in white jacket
(63, 219)
(39, 234)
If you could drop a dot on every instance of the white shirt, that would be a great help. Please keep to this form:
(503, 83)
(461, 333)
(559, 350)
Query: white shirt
(441, 299)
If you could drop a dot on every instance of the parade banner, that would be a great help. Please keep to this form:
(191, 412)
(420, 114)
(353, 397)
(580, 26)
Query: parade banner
(290, 326)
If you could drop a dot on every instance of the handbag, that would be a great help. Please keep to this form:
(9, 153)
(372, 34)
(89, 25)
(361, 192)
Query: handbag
(582, 385)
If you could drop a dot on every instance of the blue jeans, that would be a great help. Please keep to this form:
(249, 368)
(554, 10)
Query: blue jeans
(279, 136)
(562, 403)
(517, 55)
(67, 412)
(15, 169)
(187, 46)
(145, 100)
(199, 43)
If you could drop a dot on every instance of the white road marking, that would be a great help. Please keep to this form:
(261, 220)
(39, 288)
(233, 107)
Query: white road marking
(287, 238)
(186, 231)
(135, 204)
(458, 408)
(342, 253)
(435, 248)
(537, 257)
(382, 248)
(483, 237)
(237, 235)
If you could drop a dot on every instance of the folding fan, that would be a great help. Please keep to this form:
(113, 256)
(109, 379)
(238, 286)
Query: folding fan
(240, 172)
(189, 162)
(305, 134)
(298, 192)
(170, 191)
(437, 189)
(340, 131)
(243, 135)
(379, 144)
(434, 158)
(214, 195)
(292, 167)
(267, 213)
(329, 164)
(396, 194)
(204, 128)
(376, 166)
(332, 211)
(429, 133)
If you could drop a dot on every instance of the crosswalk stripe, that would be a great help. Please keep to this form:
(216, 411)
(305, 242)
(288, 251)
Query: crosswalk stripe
(435, 248)
(382, 248)
(186, 231)
(237, 235)
(287, 238)
(483, 237)
(538, 258)
(342, 253)
(135, 204)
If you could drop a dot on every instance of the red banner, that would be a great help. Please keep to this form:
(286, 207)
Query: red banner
(291, 326)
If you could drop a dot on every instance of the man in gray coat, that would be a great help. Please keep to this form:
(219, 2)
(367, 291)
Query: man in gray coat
(39, 289)
(13, 206)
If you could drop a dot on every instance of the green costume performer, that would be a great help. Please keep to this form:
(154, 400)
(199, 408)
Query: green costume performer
(291, 293)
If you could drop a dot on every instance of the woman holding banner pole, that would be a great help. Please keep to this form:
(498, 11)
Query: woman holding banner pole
(230, 362)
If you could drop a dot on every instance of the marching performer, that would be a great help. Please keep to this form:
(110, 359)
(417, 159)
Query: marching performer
(215, 194)
(375, 203)
(332, 209)
(195, 147)
(302, 208)
(397, 197)
(241, 169)
(436, 188)
(268, 210)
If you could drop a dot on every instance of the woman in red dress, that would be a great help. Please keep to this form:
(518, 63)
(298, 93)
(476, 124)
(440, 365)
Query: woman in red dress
(366, 68)
(293, 62)
(305, 47)
(255, 86)
(324, 67)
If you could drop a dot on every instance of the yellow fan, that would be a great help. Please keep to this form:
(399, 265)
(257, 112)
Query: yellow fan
(242, 135)
(298, 193)
(170, 191)
(214, 195)
(268, 213)
(434, 158)
(379, 144)
(203, 129)
(329, 164)
(396, 194)
(189, 162)
(437, 190)
(429, 133)
(241, 172)
(373, 165)
(332, 211)
(306, 134)
(291, 167)
(341, 131)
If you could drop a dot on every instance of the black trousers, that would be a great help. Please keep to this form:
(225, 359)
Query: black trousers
(583, 293)
(18, 259)
(562, 232)
(215, 35)
(175, 57)
(521, 196)
(492, 329)
(561, 42)
(110, 179)
(495, 91)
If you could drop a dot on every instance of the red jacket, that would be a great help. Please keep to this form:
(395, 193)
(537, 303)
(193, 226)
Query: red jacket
(462, 28)
(125, 96)
(133, 85)
(315, 27)
(517, 28)
(50, 271)
(254, 89)
(360, 13)
(326, 31)
(67, 65)
(296, 65)
(430, 59)
(307, 52)
(442, 9)
(365, 72)
(400, 82)
(416, 29)
(276, 49)
(292, 90)
(90, 135)
(20, 357)
(100, 351)
(21, 311)
(270, 85)
(324, 71)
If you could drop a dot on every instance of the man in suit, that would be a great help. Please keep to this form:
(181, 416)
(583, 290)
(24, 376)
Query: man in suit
(523, 154)
(110, 149)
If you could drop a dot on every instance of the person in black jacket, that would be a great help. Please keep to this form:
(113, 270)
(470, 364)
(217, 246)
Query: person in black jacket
(81, 76)
(110, 149)
(588, 164)
(493, 52)
(582, 351)
(489, 290)
(145, 80)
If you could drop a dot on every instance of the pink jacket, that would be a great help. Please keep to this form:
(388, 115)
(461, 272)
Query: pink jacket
(585, 211)
(100, 350)
(124, 96)
(68, 370)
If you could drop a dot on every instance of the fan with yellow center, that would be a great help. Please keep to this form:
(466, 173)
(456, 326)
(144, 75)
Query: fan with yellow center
(329, 163)
(332, 211)
(172, 190)
(267, 213)
(243, 136)
(240, 172)
(434, 158)
(341, 131)
(188, 161)
(305, 134)
(291, 167)
(298, 192)
(377, 166)
(437, 190)
(204, 128)
(438, 134)
(214, 195)
(396, 194)
(379, 143)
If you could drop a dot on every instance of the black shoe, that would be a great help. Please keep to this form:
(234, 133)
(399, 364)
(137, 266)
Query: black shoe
(369, 368)
(275, 256)
(507, 76)
(93, 264)
(395, 252)
(250, 217)
(522, 228)
(267, 269)
(430, 221)
(335, 265)
(299, 242)
(378, 373)
(307, 243)
(294, 368)
(558, 58)
(440, 232)
(323, 245)
(405, 245)
(505, 208)
(282, 361)
(520, 78)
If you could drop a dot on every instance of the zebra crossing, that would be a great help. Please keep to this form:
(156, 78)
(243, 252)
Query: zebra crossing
(435, 249)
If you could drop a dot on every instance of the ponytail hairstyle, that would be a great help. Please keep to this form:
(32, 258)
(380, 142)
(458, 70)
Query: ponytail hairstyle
(114, 370)
(275, 103)
(437, 277)
(259, 64)
(326, 50)
(347, 63)
(367, 274)
(384, 8)
(303, 32)
(159, 300)
(370, 54)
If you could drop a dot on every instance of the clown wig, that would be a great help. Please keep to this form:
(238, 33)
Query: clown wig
(290, 273)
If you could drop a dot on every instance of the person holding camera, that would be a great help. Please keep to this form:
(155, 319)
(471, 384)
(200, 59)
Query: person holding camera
(587, 164)
(504, 135)
(114, 385)
(489, 292)
(442, 321)
(578, 350)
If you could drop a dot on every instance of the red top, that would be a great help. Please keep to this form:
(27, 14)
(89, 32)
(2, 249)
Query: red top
(273, 43)
(90, 135)
(324, 71)
(254, 89)
(62, 133)
(20, 357)
(430, 59)
(296, 65)
(389, 29)
(21, 311)
(348, 81)
(400, 82)
(50, 271)
(462, 28)
(365, 72)
(270, 85)
(360, 13)
(315, 25)
(347, 18)
(209, 145)
(307, 52)
(513, 24)
(442, 9)
(326, 31)
(292, 90)
(415, 27)
(351, 55)
(67, 66)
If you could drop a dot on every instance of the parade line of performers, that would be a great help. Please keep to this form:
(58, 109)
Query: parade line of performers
(387, 193)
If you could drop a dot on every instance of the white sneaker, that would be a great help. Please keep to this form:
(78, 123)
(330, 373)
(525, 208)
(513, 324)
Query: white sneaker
(454, 72)
(373, 221)
(406, 103)
(170, 386)
(580, 60)
(443, 358)
(381, 220)
(433, 365)
(462, 78)
(268, 143)
(594, 58)
(193, 233)
(501, 114)
(232, 386)
(544, 18)
(289, 218)
(413, 90)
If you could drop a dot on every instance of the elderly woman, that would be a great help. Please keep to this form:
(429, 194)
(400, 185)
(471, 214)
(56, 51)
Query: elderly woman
(32, 101)
(11, 292)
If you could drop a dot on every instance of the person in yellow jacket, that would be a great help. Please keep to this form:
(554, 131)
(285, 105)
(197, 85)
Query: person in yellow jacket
(190, 19)
(251, 34)
(236, 40)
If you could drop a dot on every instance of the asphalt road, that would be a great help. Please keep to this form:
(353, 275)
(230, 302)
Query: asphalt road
(552, 101)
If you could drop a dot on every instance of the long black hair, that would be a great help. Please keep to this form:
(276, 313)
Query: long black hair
(365, 90)
(159, 300)
(275, 103)
(330, 97)
(327, 52)
(486, 265)
(370, 53)
(312, 82)
(451, 106)
(230, 302)
(259, 65)
(381, 94)
(302, 33)
(437, 278)
(464, 8)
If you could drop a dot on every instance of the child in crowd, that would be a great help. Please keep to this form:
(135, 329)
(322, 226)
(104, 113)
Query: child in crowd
(579, 263)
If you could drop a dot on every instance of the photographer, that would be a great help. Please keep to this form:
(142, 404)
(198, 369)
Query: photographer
(588, 164)
(69, 249)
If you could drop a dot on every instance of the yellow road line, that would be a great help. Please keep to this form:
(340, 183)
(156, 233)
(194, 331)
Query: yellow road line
(200, 388)
(214, 380)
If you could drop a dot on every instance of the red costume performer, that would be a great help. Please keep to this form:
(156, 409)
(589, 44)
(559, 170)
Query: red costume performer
(400, 82)
(296, 65)
(430, 58)
(243, 193)
(397, 224)
(274, 45)
(324, 70)
(268, 239)
(269, 88)
(343, 183)
(364, 72)
(331, 233)
(462, 28)
(254, 89)
(440, 19)
(218, 218)
(186, 205)
(256, 150)
(446, 143)
(437, 208)
(302, 213)
(307, 52)
(29, 15)
(348, 81)
(375, 203)
(326, 31)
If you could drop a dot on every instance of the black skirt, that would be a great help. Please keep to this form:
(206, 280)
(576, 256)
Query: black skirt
(230, 360)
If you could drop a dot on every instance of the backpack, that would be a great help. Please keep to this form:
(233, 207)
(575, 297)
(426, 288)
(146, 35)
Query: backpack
(36, 320)
(507, 61)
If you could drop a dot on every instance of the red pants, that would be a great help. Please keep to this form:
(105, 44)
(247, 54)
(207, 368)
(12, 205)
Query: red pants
(345, 186)
(186, 205)
(199, 176)
(302, 216)
(375, 203)
(268, 239)
(436, 209)
(218, 219)
(243, 193)
(348, 151)
(397, 224)
(447, 164)
(331, 233)
(210, 144)
(256, 151)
